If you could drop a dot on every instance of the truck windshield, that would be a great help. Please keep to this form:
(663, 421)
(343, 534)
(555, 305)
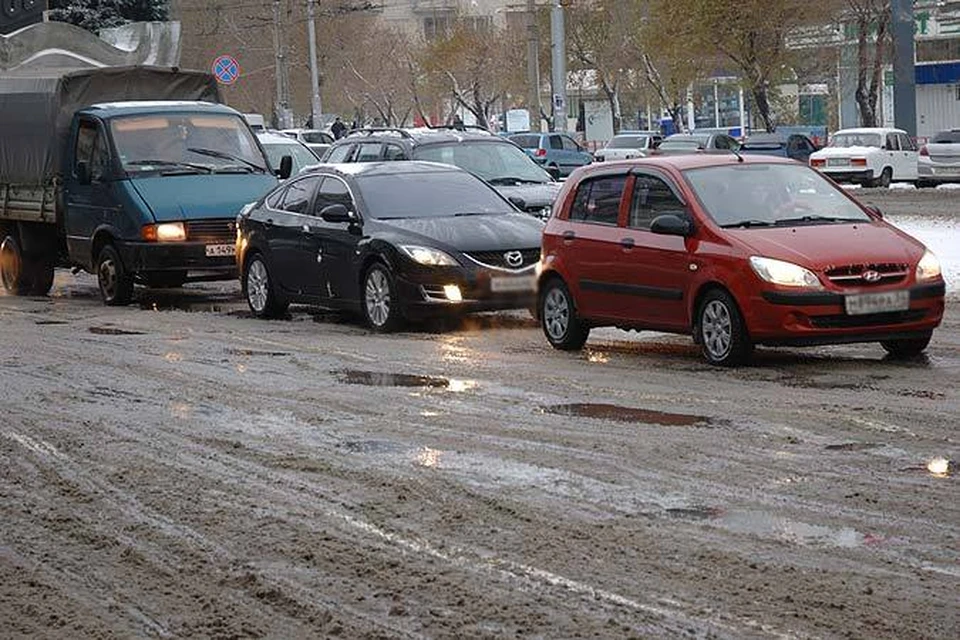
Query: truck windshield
(193, 143)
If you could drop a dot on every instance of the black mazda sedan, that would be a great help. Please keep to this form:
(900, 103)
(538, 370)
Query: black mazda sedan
(395, 241)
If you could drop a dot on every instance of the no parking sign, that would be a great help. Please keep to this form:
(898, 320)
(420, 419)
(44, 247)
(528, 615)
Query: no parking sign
(226, 69)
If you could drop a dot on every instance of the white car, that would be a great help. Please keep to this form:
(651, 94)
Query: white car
(874, 157)
(940, 159)
(629, 144)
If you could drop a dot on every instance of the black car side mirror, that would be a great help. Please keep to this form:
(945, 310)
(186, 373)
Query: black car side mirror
(337, 213)
(286, 167)
(671, 225)
(83, 173)
(518, 202)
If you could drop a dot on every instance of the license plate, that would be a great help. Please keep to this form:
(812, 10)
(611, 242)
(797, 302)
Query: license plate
(838, 162)
(221, 250)
(513, 285)
(865, 303)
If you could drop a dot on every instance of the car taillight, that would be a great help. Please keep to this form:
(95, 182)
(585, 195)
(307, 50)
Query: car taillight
(859, 162)
(818, 162)
(540, 153)
(924, 151)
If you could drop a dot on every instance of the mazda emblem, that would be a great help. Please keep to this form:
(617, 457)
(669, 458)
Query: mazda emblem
(871, 276)
(513, 258)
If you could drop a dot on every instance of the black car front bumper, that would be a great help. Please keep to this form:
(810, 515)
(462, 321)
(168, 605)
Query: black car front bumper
(422, 294)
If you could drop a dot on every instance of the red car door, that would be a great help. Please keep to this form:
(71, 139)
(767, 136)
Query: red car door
(590, 241)
(653, 270)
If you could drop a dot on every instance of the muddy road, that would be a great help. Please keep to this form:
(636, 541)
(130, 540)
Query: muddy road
(179, 469)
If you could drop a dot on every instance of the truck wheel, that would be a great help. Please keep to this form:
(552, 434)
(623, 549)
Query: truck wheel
(116, 285)
(11, 267)
(40, 276)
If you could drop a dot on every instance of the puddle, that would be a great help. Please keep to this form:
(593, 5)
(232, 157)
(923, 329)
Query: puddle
(853, 446)
(625, 414)
(113, 331)
(371, 446)
(382, 379)
(695, 513)
(254, 352)
(791, 531)
(49, 322)
(941, 234)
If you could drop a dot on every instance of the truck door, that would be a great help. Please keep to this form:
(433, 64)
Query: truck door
(89, 197)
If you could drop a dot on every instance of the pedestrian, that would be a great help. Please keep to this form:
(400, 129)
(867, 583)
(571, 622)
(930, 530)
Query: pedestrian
(338, 129)
(458, 122)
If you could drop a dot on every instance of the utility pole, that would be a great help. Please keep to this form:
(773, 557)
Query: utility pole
(315, 104)
(282, 103)
(533, 66)
(904, 73)
(558, 48)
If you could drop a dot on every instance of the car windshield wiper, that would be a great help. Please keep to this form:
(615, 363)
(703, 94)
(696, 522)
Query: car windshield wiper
(814, 218)
(747, 223)
(170, 163)
(464, 214)
(234, 168)
(504, 180)
(213, 153)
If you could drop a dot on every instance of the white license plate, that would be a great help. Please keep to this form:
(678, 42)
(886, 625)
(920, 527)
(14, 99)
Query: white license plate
(221, 250)
(838, 162)
(865, 303)
(513, 285)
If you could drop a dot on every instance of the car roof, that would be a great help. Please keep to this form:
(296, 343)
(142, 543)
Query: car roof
(869, 130)
(275, 137)
(683, 162)
(388, 167)
(148, 107)
(420, 135)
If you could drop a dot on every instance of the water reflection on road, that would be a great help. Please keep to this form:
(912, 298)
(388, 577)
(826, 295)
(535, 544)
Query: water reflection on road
(942, 236)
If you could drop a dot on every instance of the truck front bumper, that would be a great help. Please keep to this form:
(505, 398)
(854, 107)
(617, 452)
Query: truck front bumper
(191, 257)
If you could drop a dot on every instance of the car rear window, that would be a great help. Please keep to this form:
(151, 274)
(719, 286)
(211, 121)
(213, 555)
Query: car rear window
(527, 142)
(947, 137)
(598, 200)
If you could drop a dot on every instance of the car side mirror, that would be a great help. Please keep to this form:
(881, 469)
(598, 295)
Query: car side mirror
(83, 173)
(671, 225)
(518, 202)
(875, 211)
(286, 167)
(337, 213)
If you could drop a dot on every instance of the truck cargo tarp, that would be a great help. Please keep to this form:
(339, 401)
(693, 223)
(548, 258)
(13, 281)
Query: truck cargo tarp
(36, 109)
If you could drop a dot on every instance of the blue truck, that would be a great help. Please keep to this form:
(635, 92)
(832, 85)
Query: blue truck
(134, 174)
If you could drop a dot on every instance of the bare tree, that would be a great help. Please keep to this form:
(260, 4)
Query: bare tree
(871, 20)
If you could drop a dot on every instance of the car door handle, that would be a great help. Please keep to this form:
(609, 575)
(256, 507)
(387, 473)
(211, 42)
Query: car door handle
(627, 243)
(568, 236)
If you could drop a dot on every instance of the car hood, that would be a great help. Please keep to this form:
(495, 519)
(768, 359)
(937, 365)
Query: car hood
(193, 197)
(821, 247)
(468, 233)
(535, 196)
(843, 152)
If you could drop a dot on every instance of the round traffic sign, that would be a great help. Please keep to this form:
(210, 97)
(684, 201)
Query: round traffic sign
(226, 69)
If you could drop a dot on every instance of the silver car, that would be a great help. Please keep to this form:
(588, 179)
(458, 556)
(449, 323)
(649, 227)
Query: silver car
(939, 159)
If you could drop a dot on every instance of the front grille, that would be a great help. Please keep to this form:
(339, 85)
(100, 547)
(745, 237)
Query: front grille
(498, 259)
(868, 320)
(219, 231)
(852, 275)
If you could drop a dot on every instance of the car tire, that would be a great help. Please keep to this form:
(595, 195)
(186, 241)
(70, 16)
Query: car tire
(259, 290)
(886, 177)
(557, 312)
(721, 331)
(907, 348)
(380, 303)
(116, 285)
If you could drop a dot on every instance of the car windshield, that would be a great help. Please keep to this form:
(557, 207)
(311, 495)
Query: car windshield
(302, 156)
(428, 195)
(628, 142)
(191, 142)
(842, 140)
(758, 195)
(492, 161)
(947, 137)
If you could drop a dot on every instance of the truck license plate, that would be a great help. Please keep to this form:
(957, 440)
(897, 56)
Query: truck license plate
(221, 250)
(887, 301)
(513, 285)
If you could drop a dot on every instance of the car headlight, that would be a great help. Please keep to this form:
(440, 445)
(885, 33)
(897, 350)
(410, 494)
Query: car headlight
(929, 267)
(783, 273)
(428, 256)
(165, 232)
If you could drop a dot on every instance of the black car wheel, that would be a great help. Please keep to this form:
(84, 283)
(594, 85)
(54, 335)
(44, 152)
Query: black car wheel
(908, 348)
(558, 317)
(259, 291)
(381, 305)
(116, 285)
(721, 332)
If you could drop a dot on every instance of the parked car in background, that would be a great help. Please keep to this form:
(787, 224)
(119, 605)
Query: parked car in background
(255, 121)
(497, 160)
(629, 144)
(794, 146)
(394, 241)
(939, 159)
(558, 153)
(315, 140)
(738, 251)
(871, 156)
(681, 143)
(278, 145)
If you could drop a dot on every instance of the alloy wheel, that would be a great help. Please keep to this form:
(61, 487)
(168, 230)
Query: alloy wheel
(717, 329)
(258, 286)
(107, 275)
(377, 297)
(556, 313)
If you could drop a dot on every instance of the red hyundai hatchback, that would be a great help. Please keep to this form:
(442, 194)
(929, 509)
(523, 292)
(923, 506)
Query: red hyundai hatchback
(737, 251)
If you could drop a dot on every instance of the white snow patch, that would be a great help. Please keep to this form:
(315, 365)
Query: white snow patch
(949, 186)
(852, 186)
(905, 186)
